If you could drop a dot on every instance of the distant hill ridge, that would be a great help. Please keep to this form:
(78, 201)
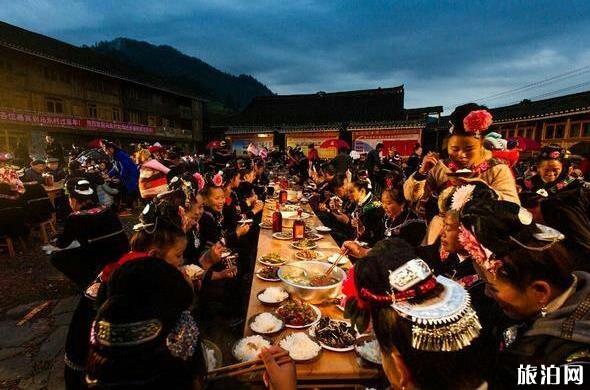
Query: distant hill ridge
(188, 73)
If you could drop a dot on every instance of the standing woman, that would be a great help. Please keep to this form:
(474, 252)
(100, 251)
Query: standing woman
(468, 161)
(368, 214)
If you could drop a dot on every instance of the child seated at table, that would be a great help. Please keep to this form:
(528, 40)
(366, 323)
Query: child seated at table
(425, 325)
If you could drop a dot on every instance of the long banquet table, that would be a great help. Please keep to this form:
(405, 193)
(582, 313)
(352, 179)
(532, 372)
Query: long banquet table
(332, 368)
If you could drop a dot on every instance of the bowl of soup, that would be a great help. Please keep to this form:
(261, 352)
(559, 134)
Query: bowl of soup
(307, 280)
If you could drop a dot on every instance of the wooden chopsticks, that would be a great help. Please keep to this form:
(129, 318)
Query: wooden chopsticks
(248, 367)
(343, 253)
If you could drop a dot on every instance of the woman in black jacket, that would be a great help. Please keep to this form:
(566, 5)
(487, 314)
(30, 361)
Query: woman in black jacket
(529, 274)
(95, 234)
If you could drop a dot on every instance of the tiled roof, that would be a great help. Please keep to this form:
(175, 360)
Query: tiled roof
(311, 128)
(530, 110)
(24, 41)
(324, 108)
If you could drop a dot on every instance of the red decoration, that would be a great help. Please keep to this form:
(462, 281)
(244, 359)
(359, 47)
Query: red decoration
(350, 290)
(477, 121)
(200, 181)
(421, 289)
(218, 180)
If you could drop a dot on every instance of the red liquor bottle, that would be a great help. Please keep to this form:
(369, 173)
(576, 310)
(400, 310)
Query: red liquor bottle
(299, 227)
(284, 183)
(283, 196)
(277, 219)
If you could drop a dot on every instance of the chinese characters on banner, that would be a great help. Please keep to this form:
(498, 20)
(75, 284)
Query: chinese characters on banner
(64, 121)
(402, 140)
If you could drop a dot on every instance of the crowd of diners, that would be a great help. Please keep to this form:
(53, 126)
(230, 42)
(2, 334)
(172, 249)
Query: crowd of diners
(468, 262)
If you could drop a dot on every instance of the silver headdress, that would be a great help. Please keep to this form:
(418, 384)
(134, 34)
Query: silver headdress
(445, 322)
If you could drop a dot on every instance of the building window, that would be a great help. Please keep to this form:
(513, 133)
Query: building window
(549, 130)
(165, 122)
(559, 131)
(92, 112)
(586, 129)
(575, 130)
(54, 105)
(116, 114)
(134, 117)
(157, 98)
(133, 93)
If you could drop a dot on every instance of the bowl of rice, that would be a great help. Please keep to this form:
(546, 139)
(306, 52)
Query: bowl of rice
(213, 355)
(367, 347)
(249, 347)
(301, 347)
(266, 323)
(273, 296)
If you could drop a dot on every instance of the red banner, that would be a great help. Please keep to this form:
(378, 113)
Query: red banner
(68, 121)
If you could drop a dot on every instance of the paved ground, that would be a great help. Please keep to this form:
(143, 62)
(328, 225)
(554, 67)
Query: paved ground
(31, 355)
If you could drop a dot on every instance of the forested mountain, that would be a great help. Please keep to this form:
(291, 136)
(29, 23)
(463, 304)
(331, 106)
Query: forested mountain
(185, 72)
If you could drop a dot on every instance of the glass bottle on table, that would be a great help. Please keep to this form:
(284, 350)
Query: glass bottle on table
(277, 219)
(299, 226)
(283, 195)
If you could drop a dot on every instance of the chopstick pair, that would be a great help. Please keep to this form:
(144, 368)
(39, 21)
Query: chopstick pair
(248, 367)
(343, 253)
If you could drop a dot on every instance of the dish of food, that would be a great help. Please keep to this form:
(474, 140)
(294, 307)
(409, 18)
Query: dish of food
(283, 235)
(334, 335)
(266, 224)
(304, 244)
(313, 236)
(332, 258)
(213, 355)
(367, 347)
(300, 277)
(300, 347)
(298, 315)
(272, 259)
(461, 173)
(307, 254)
(323, 229)
(266, 323)
(249, 348)
(269, 274)
(194, 272)
(273, 295)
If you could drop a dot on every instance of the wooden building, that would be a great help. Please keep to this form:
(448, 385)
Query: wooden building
(363, 118)
(563, 120)
(50, 87)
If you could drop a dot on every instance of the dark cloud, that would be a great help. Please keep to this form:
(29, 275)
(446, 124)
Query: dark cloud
(444, 52)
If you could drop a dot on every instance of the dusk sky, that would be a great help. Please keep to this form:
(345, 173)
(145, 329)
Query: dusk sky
(444, 52)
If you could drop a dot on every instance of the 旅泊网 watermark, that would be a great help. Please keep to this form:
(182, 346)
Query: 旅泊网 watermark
(568, 374)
